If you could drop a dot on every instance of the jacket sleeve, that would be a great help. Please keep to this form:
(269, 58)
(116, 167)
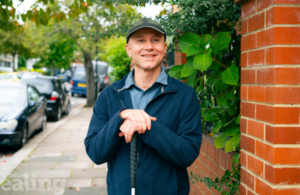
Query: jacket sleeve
(180, 148)
(102, 140)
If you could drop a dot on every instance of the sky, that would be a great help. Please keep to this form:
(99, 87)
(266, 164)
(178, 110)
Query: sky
(149, 11)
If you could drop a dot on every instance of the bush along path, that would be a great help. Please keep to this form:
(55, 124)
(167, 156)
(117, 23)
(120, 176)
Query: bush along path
(216, 80)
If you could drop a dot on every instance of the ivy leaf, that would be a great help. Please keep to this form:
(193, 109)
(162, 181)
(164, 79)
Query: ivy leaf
(231, 131)
(231, 111)
(209, 117)
(221, 140)
(201, 86)
(202, 61)
(192, 50)
(190, 38)
(183, 46)
(220, 85)
(175, 70)
(212, 80)
(231, 75)
(205, 40)
(214, 66)
(217, 127)
(188, 69)
(232, 144)
(223, 39)
(214, 46)
(237, 120)
(191, 80)
(222, 101)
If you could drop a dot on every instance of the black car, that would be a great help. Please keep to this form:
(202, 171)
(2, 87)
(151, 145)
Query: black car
(58, 99)
(22, 111)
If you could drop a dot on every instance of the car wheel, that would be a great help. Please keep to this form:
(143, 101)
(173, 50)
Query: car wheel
(44, 123)
(24, 137)
(69, 107)
(58, 115)
(72, 94)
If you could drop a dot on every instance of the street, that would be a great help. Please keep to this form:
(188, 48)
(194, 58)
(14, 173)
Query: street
(7, 152)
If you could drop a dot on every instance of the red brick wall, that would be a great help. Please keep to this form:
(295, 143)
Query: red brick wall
(270, 97)
(212, 162)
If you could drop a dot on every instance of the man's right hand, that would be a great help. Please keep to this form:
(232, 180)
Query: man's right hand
(140, 119)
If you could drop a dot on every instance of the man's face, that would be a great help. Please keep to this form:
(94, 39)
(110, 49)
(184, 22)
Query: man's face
(147, 48)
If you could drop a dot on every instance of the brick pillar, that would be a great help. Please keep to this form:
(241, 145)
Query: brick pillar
(270, 97)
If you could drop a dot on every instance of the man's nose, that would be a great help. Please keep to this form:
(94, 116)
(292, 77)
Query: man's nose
(149, 45)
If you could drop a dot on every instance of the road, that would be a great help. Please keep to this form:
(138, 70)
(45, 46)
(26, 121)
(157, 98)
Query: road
(7, 152)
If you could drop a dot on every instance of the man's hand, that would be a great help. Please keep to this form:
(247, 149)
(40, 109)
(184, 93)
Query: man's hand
(127, 129)
(140, 119)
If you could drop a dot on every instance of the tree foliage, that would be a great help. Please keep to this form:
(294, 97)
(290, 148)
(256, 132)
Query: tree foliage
(115, 55)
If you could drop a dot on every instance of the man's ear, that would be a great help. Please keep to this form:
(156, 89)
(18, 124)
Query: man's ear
(165, 47)
(128, 50)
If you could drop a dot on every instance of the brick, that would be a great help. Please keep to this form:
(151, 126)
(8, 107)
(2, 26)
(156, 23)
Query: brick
(248, 8)
(256, 58)
(287, 35)
(247, 179)
(248, 109)
(248, 76)
(283, 135)
(278, 76)
(286, 191)
(243, 158)
(286, 115)
(286, 55)
(265, 76)
(255, 165)
(244, 59)
(248, 42)
(287, 156)
(270, 95)
(242, 189)
(283, 15)
(265, 37)
(262, 188)
(264, 4)
(264, 151)
(244, 92)
(270, 56)
(285, 175)
(256, 129)
(248, 144)
(286, 95)
(256, 22)
(256, 93)
(250, 192)
(265, 113)
(244, 27)
(243, 125)
(287, 1)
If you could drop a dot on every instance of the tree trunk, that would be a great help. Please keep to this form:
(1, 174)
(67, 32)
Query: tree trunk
(89, 77)
(52, 69)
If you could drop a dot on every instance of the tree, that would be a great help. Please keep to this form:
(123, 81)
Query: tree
(115, 55)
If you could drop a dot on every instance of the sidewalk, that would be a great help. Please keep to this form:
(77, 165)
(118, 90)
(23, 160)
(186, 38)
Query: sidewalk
(55, 162)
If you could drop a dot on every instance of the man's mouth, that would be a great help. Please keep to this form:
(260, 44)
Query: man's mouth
(148, 56)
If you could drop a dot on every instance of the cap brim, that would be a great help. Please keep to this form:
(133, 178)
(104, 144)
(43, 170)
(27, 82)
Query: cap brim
(144, 27)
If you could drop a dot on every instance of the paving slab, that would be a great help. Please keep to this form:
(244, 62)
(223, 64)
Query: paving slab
(51, 159)
(74, 165)
(36, 166)
(87, 191)
(79, 182)
(99, 182)
(83, 158)
(101, 166)
(33, 192)
(74, 152)
(88, 173)
(63, 173)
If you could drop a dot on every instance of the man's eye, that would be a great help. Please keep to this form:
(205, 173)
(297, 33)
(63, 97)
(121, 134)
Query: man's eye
(141, 40)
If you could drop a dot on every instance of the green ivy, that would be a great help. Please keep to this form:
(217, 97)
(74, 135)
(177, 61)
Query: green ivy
(216, 81)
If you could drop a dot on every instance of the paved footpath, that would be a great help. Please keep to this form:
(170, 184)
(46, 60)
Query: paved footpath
(55, 162)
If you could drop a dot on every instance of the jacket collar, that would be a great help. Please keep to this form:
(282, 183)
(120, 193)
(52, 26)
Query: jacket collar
(124, 94)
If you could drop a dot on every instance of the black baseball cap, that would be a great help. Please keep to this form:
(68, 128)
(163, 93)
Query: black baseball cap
(145, 23)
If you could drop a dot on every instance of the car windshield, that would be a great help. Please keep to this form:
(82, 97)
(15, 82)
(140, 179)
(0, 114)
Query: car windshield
(79, 75)
(14, 96)
(6, 76)
(42, 85)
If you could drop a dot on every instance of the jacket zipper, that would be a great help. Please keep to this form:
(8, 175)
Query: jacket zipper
(138, 140)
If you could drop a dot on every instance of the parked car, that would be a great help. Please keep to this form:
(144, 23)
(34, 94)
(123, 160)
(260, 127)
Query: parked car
(78, 81)
(58, 99)
(65, 76)
(22, 111)
(27, 75)
(9, 77)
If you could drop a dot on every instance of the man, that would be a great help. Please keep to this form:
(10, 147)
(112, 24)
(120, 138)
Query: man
(163, 111)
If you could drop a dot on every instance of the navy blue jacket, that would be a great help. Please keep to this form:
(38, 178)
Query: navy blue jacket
(164, 152)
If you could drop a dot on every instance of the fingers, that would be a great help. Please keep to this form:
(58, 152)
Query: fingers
(121, 134)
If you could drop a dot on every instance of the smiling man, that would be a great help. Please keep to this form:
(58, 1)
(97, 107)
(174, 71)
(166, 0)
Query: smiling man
(163, 111)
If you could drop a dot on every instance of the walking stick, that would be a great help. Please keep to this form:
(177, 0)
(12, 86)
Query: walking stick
(133, 163)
